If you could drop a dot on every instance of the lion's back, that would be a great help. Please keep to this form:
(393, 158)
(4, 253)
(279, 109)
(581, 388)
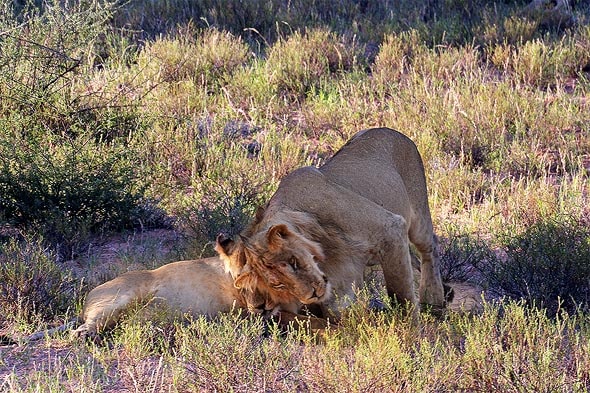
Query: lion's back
(385, 167)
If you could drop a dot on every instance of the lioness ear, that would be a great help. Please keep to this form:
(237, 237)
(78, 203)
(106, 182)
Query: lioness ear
(276, 234)
(224, 245)
(232, 257)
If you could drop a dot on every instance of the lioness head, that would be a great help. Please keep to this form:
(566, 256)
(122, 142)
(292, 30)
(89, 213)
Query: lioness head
(278, 262)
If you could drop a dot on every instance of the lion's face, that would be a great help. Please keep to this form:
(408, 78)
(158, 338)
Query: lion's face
(281, 265)
(287, 265)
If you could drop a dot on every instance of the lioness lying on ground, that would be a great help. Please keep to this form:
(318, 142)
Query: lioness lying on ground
(322, 227)
(195, 287)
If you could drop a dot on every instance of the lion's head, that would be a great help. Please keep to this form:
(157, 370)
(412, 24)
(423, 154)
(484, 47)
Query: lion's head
(279, 263)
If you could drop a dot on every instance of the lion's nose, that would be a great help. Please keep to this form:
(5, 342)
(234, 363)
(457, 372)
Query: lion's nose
(318, 291)
(315, 293)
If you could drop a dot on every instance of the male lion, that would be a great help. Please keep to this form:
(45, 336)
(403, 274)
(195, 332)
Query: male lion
(322, 227)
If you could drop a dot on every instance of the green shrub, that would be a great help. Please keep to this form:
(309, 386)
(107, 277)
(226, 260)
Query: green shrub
(33, 285)
(225, 207)
(461, 255)
(42, 49)
(547, 265)
(68, 189)
(66, 149)
(224, 190)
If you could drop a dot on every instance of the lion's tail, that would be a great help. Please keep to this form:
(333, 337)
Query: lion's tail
(7, 340)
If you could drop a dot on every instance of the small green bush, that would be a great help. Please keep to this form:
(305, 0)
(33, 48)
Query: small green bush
(225, 194)
(33, 285)
(461, 255)
(68, 189)
(227, 210)
(547, 265)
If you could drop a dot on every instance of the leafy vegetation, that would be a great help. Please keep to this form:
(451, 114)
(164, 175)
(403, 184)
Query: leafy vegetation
(33, 286)
(547, 264)
(171, 114)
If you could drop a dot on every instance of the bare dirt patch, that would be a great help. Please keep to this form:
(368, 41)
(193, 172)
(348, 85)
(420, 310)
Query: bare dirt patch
(121, 253)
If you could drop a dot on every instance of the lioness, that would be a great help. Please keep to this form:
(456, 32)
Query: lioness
(322, 227)
(196, 287)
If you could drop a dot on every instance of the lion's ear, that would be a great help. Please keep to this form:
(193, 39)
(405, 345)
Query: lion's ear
(276, 234)
(224, 245)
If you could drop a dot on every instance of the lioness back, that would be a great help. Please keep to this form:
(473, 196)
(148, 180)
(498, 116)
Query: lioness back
(196, 287)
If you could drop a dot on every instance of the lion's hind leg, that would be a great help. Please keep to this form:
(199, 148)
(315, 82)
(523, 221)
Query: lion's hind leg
(103, 308)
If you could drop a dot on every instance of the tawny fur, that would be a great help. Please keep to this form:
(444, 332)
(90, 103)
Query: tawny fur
(195, 287)
(322, 227)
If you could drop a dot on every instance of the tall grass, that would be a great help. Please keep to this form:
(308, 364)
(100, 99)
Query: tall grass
(34, 287)
(505, 348)
(118, 117)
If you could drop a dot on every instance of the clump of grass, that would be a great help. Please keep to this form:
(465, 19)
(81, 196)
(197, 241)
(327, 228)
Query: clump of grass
(396, 53)
(517, 29)
(298, 64)
(249, 358)
(452, 64)
(204, 57)
(546, 265)
(517, 347)
(541, 64)
(34, 287)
